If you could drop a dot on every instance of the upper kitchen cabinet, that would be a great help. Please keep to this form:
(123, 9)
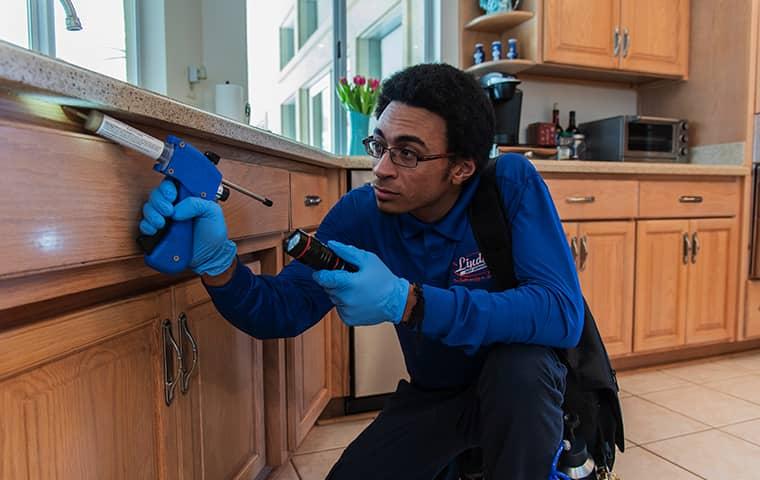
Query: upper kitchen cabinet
(609, 40)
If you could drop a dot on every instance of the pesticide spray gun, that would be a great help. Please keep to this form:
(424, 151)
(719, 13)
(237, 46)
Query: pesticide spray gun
(193, 173)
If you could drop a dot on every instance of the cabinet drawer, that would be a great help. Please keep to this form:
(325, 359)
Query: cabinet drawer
(690, 198)
(594, 199)
(308, 199)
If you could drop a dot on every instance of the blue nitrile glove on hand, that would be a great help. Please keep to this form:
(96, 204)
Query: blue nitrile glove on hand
(213, 253)
(367, 297)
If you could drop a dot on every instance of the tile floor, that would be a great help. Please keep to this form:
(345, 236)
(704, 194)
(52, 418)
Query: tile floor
(686, 421)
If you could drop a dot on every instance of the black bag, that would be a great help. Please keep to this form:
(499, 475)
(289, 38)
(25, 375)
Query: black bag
(592, 390)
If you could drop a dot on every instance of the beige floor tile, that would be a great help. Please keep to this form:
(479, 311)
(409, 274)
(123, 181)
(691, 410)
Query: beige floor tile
(650, 381)
(328, 437)
(623, 394)
(705, 405)
(747, 388)
(285, 472)
(639, 464)
(706, 371)
(749, 360)
(713, 454)
(646, 422)
(749, 431)
(316, 466)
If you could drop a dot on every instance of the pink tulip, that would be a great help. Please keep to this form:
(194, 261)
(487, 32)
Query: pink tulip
(343, 81)
(359, 80)
(374, 84)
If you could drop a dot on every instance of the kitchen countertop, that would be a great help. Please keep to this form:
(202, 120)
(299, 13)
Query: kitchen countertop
(67, 84)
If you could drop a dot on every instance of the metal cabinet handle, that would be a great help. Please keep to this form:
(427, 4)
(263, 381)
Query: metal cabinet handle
(581, 199)
(616, 41)
(186, 374)
(626, 42)
(574, 249)
(694, 248)
(690, 199)
(686, 248)
(170, 377)
(584, 253)
(312, 200)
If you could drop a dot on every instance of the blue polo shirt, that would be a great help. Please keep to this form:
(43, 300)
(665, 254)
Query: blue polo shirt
(464, 314)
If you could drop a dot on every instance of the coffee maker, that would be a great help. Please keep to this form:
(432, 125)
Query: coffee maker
(506, 98)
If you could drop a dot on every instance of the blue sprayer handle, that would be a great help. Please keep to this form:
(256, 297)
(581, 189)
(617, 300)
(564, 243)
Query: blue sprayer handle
(170, 250)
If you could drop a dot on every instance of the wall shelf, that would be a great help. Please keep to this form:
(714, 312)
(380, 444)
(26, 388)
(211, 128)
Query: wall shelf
(511, 67)
(498, 22)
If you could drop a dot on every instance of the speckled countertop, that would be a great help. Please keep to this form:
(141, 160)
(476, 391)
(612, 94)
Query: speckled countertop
(69, 84)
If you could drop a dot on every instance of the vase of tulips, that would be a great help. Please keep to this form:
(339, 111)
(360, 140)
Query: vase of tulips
(359, 97)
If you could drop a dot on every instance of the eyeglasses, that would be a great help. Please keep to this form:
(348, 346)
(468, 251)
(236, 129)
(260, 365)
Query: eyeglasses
(401, 156)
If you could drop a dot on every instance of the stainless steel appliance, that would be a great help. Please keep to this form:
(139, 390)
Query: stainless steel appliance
(754, 259)
(636, 138)
(377, 363)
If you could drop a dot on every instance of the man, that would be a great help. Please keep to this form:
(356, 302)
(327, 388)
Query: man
(482, 369)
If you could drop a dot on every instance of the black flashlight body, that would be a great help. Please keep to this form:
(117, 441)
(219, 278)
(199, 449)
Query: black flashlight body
(308, 250)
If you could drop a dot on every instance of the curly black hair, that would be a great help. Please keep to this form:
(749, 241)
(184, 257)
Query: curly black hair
(452, 94)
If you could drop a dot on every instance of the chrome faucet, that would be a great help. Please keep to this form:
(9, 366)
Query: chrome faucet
(72, 21)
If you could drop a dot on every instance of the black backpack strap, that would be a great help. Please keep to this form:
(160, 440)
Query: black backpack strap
(489, 225)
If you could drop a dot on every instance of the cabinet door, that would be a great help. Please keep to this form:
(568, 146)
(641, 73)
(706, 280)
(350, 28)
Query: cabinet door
(308, 361)
(606, 266)
(82, 395)
(662, 264)
(581, 32)
(222, 407)
(655, 36)
(711, 306)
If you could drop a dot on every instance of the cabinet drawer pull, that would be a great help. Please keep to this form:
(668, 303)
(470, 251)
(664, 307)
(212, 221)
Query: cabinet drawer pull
(312, 200)
(579, 199)
(616, 42)
(186, 333)
(690, 199)
(686, 248)
(574, 249)
(584, 252)
(170, 377)
(694, 247)
(626, 42)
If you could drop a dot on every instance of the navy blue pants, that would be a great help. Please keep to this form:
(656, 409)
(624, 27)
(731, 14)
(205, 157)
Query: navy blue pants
(513, 413)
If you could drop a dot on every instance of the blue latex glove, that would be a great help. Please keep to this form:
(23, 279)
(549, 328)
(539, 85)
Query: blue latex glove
(367, 297)
(213, 253)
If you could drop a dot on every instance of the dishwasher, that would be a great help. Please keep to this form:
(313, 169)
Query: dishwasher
(377, 363)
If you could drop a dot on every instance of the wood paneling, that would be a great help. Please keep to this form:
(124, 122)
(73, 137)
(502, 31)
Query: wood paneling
(661, 285)
(711, 305)
(658, 36)
(668, 198)
(715, 98)
(580, 32)
(594, 199)
(752, 325)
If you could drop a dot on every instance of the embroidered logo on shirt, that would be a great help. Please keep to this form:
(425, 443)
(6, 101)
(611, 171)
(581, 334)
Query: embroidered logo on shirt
(470, 268)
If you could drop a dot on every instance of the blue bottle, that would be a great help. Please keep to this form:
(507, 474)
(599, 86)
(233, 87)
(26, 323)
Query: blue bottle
(512, 49)
(496, 50)
(480, 55)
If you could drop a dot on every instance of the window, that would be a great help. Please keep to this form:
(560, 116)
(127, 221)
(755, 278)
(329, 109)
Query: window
(391, 53)
(108, 27)
(311, 15)
(101, 45)
(14, 23)
(288, 119)
(287, 40)
(320, 108)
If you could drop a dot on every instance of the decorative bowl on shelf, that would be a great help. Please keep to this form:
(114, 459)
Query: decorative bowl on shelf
(493, 6)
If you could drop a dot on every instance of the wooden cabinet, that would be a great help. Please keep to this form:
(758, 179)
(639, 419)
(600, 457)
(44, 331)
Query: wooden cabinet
(604, 254)
(580, 32)
(82, 395)
(685, 282)
(655, 36)
(220, 393)
(647, 36)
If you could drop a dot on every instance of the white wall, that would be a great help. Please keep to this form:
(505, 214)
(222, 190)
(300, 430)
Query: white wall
(589, 102)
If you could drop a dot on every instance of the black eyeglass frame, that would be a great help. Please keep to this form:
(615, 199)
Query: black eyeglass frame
(390, 150)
